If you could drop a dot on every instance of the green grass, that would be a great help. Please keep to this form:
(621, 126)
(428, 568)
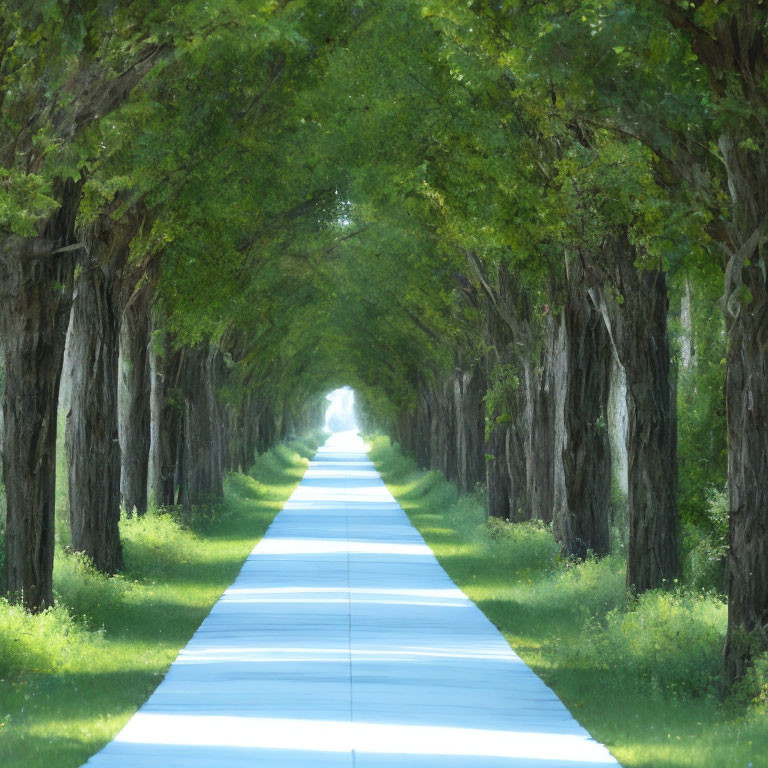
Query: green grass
(641, 676)
(71, 677)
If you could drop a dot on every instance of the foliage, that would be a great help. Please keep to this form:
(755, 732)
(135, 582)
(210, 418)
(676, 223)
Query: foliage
(527, 546)
(753, 689)
(24, 199)
(706, 547)
(505, 384)
(666, 641)
(88, 595)
(701, 407)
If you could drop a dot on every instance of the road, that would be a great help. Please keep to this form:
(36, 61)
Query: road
(343, 643)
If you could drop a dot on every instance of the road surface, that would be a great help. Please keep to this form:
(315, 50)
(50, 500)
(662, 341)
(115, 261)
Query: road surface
(343, 643)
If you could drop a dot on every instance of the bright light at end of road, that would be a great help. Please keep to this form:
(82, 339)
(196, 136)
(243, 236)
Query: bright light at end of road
(340, 416)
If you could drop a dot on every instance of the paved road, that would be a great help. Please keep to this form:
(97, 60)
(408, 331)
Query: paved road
(344, 643)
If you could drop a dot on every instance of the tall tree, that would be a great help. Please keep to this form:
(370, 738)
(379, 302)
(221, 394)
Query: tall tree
(89, 64)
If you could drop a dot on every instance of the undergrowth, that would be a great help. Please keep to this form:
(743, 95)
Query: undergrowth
(642, 674)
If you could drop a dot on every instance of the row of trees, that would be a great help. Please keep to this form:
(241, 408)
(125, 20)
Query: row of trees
(134, 215)
(578, 164)
(476, 214)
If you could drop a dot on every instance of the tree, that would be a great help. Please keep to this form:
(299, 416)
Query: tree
(90, 64)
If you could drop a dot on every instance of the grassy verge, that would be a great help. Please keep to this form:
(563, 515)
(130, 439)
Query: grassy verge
(71, 677)
(642, 677)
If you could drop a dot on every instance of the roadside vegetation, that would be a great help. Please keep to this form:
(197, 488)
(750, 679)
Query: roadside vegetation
(72, 675)
(641, 674)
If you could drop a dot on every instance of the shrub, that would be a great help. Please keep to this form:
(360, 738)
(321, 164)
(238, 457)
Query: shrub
(595, 586)
(704, 549)
(527, 546)
(89, 595)
(37, 644)
(395, 464)
(155, 543)
(756, 683)
(670, 642)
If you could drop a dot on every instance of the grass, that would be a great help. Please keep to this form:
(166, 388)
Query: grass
(71, 677)
(642, 676)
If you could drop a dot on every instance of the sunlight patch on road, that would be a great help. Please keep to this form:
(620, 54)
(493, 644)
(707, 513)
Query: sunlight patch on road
(340, 736)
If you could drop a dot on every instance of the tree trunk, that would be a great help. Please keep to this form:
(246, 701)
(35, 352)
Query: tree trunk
(249, 423)
(747, 411)
(36, 292)
(515, 435)
(92, 431)
(2, 417)
(35, 316)
(267, 428)
(216, 374)
(651, 441)
(559, 377)
(135, 406)
(442, 445)
(469, 390)
(249, 417)
(735, 53)
(201, 455)
(543, 393)
(747, 399)
(167, 409)
(93, 438)
(639, 330)
(539, 429)
(587, 454)
(422, 419)
(497, 474)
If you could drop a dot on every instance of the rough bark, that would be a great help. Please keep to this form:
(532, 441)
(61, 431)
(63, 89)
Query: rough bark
(497, 474)
(36, 291)
(651, 440)
(167, 408)
(135, 401)
(747, 399)
(2, 417)
(442, 442)
(216, 376)
(559, 376)
(747, 411)
(469, 391)
(586, 455)
(242, 433)
(37, 280)
(417, 427)
(517, 470)
(201, 465)
(105, 283)
(638, 327)
(92, 431)
(514, 334)
(543, 399)
(687, 348)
